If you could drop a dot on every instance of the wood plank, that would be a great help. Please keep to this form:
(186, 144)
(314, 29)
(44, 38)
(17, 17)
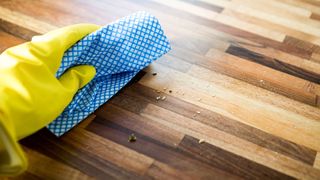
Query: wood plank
(205, 5)
(231, 104)
(315, 57)
(275, 64)
(227, 161)
(253, 92)
(272, 26)
(241, 77)
(137, 123)
(315, 16)
(46, 143)
(9, 39)
(105, 149)
(302, 44)
(303, 24)
(240, 69)
(230, 143)
(25, 175)
(146, 95)
(274, 7)
(19, 19)
(39, 165)
(317, 161)
(310, 5)
(160, 170)
(156, 150)
(199, 20)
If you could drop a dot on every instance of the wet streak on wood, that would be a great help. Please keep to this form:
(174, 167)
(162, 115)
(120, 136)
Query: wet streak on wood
(273, 63)
(143, 95)
(156, 150)
(227, 161)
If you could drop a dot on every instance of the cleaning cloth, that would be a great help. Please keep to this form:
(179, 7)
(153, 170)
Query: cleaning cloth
(118, 51)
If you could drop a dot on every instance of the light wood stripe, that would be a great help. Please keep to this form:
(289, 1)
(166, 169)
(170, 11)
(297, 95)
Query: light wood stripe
(301, 4)
(232, 144)
(304, 25)
(242, 76)
(272, 26)
(275, 7)
(317, 161)
(288, 126)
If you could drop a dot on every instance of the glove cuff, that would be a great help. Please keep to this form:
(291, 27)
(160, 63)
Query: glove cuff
(12, 158)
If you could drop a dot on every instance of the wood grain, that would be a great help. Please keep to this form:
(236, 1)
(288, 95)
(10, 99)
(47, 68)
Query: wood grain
(239, 93)
(274, 63)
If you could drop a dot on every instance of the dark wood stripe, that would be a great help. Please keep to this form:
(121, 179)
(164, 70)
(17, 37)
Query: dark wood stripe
(157, 150)
(24, 176)
(47, 144)
(315, 16)
(227, 161)
(162, 171)
(273, 63)
(140, 95)
(205, 5)
(301, 44)
(133, 121)
(16, 30)
(313, 2)
(236, 67)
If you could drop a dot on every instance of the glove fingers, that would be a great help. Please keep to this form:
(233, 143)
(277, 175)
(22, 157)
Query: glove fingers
(75, 78)
(51, 46)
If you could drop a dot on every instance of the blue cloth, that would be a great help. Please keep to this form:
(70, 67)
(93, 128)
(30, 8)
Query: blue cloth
(118, 51)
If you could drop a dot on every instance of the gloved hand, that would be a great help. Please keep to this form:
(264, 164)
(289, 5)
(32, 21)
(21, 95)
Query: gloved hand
(30, 94)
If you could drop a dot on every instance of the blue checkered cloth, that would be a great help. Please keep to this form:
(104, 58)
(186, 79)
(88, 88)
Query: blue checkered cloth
(118, 51)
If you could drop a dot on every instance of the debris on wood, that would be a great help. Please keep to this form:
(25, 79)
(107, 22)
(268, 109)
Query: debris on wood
(201, 141)
(163, 98)
(170, 91)
(164, 88)
(198, 112)
(154, 74)
(261, 81)
(132, 138)
(158, 97)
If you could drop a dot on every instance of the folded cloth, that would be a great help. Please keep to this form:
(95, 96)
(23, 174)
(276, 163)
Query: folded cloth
(118, 51)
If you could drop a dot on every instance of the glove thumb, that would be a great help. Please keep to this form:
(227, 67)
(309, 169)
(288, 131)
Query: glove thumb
(77, 77)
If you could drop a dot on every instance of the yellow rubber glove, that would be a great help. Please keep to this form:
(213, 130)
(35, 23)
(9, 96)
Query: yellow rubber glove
(30, 94)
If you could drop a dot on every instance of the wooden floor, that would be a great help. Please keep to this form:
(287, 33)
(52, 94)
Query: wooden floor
(243, 78)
